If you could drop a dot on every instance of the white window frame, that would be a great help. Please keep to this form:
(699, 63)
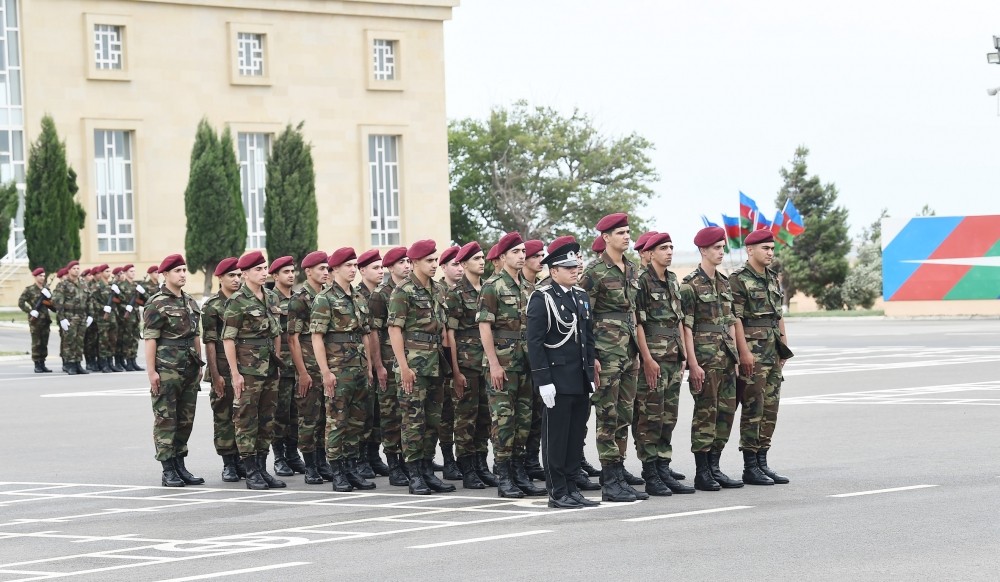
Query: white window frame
(384, 60)
(114, 181)
(12, 140)
(109, 47)
(250, 53)
(242, 69)
(384, 189)
(107, 37)
(252, 151)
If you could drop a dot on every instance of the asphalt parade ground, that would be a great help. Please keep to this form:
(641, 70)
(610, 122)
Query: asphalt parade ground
(889, 431)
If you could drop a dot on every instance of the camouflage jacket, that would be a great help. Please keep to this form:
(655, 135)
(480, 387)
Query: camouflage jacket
(287, 365)
(378, 308)
(659, 310)
(253, 324)
(71, 300)
(757, 302)
(613, 296)
(463, 308)
(127, 290)
(336, 312)
(212, 323)
(29, 299)
(104, 296)
(503, 303)
(172, 317)
(299, 315)
(708, 302)
(365, 291)
(421, 316)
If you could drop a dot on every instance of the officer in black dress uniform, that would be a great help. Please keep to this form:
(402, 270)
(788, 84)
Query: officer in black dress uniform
(561, 353)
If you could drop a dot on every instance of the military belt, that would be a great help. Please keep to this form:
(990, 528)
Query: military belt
(419, 336)
(509, 334)
(617, 316)
(471, 332)
(342, 338)
(761, 322)
(710, 327)
(184, 342)
(254, 341)
(663, 330)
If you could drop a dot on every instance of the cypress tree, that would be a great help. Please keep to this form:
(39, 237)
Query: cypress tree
(291, 218)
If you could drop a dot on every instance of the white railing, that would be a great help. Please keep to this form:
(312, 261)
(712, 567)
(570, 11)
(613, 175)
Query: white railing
(13, 261)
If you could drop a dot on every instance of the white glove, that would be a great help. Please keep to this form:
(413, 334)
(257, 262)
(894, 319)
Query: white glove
(46, 293)
(548, 394)
(90, 320)
(114, 287)
(140, 289)
(33, 313)
(128, 308)
(107, 309)
(592, 387)
(64, 324)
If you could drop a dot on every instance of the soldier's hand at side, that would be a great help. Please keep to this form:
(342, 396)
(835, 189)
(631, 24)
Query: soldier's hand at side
(305, 383)
(33, 313)
(64, 324)
(90, 320)
(746, 363)
(597, 372)
(460, 383)
(219, 386)
(329, 383)
(696, 378)
(154, 382)
(407, 378)
(781, 363)
(383, 377)
(238, 385)
(497, 377)
(652, 371)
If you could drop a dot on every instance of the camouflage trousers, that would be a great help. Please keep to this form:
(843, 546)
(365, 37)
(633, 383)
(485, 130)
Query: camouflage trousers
(128, 335)
(253, 414)
(714, 411)
(421, 416)
(40, 339)
(534, 443)
(286, 418)
(71, 345)
(311, 410)
(472, 416)
(510, 412)
(91, 347)
(373, 426)
(758, 398)
(656, 413)
(613, 402)
(223, 430)
(107, 335)
(446, 432)
(345, 413)
(389, 413)
(173, 409)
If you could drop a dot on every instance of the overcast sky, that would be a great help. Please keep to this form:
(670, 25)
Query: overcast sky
(890, 98)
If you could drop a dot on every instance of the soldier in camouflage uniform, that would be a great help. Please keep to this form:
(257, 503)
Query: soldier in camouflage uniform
(133, 297)
(172, 351)
(91, 343)
(502, 320)
(417, 324)
(760, 333)
(341, 338)
(534, 251)
(707, 302)
(612, 284)
(472, 407)
(106, 297)
(452, 273)
(251, 338)
(70, 299)
(399, 267)
(35, 300)
(152, 280)
(286, 421)
(370, 463)
(662, 352)
(309, 400)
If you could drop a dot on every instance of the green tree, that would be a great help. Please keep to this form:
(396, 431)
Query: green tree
(817, 263)
(291, 219)
(52, 217)
(863, 284)
(216, 225)
(543, 174)
(8, 209)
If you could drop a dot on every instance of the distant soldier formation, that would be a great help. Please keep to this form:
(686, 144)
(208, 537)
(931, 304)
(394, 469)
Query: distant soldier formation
(325, 374)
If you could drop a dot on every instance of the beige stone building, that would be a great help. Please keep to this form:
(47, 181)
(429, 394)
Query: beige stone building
(127, 81)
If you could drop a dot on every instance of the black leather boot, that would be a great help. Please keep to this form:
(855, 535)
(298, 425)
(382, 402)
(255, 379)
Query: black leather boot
(116, 364)
(523, 482)
(126, 365)
(667, 476)
(253, 479)
(583, 500)
(675, 474)
(590, 469)
(229, 473)
(38, 367)
(654, 486)
(397, 477)
(339, 473)
(436, 485)
(104, 364)
(470, 480)
(170, 477)
(505, 483)
(272, 483)
(354, 476)
(44, 369)
(583, 482)
(762, 463)
(416, 481)
(532, 467)
(721, 478)
(323, 465)
(703, 480)
(483, 470)
(436, 467)
(630, 478)
(241, 468)
(640, 495)
(375, 461)
(312, 476)
(295, 462)
(281, 468)
(69, 368)
(360, 464)
(613, 487)
(186, 475)
(752, 475)
(79, 370)
(135, 365)
(451, 471)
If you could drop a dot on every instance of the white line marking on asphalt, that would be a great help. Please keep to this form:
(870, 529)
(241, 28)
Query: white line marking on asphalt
(687, 513)
(877, 491)
(485, 539)
(235, 572)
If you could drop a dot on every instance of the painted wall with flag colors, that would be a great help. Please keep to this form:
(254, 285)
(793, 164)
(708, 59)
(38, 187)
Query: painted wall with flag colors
(931, 258)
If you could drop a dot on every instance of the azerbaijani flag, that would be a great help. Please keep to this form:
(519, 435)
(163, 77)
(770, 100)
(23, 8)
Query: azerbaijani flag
(707, 222)
(748, 211)
(732, 226)
(761, 223)
(779, 218)
(791, 224)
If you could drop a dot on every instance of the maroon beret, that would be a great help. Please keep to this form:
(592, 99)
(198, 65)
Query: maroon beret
(280, 263)
(449, 254)
(71, 264)
(493, 254)
(468, 251)
(61, 273)
(116, 270)
(508, 241)
(533, 247)
(83, 273)
(599, 246)
(759, 236)
(226, 265)
(368, 257)
(251, 260)
(656, 240)
(38, 271)
(341, 256)
(421, 249)
(314, 258)
(127, 267)
(560, 242)
(612, 221)
(709, 235)
(640, 244)
(152, 269)
(98, 268)
(169, 263)
(393, 256)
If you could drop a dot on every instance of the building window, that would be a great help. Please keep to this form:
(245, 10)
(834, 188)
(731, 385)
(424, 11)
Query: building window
(254, 148)
(108, 47)
(383, 167)
(384, 53)
(12, 148)
(250, 53)
(113, 177)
